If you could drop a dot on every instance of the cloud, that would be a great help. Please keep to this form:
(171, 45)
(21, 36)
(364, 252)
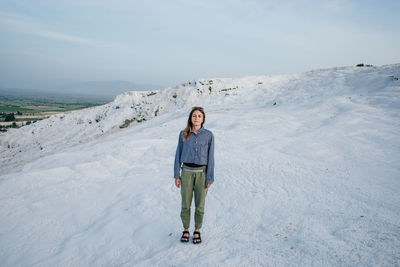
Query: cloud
(66, 37)
(23, 25)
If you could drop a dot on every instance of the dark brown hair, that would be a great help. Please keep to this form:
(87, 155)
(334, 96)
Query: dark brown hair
(187, 131)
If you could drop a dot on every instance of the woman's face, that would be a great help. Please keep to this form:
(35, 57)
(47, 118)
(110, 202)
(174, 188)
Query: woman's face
(197, 118)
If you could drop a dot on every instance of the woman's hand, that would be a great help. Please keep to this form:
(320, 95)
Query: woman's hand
(208, 185)
(177, 182)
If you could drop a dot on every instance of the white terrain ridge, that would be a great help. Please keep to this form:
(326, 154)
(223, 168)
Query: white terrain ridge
(64, 130)
(307, 174)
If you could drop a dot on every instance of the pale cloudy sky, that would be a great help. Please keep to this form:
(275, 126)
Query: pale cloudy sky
(46, 43)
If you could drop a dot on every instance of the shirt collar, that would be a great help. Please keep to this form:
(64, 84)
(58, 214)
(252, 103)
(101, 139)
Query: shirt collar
(200, 130)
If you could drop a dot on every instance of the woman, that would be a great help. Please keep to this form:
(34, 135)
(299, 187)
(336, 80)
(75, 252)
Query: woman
(195, 155)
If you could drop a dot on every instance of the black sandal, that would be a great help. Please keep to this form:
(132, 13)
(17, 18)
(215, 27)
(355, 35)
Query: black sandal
(185, 238)
(196, 240)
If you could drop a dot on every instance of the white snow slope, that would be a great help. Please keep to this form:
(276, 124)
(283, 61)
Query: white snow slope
(307, 174)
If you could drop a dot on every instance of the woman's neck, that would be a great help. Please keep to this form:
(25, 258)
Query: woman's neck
(196, 129)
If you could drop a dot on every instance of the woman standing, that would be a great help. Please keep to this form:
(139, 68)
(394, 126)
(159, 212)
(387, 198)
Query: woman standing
(195, 155)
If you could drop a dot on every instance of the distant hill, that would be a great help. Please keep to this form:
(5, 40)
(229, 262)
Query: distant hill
(107, 88)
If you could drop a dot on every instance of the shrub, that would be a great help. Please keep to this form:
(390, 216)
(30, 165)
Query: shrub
(10, 117)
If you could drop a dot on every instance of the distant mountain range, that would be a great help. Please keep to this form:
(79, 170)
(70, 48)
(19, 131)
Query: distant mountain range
(96, 89)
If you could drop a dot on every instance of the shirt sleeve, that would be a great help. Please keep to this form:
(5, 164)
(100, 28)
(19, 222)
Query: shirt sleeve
(210, 162)
(177, 164)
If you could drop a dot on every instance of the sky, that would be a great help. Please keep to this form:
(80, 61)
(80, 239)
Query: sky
(47, 44)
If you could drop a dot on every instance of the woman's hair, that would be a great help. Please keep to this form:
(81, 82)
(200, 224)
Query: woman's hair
(187, 131)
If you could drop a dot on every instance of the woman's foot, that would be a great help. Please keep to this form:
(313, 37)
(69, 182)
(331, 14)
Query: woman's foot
(185, 235)
(196, 237)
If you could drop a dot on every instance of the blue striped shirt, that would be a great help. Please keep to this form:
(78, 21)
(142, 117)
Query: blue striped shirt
(198, 149)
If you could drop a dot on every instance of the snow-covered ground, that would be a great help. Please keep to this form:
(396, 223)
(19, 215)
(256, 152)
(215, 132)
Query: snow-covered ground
(307, 174)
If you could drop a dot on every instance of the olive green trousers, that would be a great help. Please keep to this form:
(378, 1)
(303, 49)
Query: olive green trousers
(193, 183)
